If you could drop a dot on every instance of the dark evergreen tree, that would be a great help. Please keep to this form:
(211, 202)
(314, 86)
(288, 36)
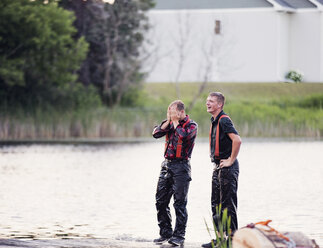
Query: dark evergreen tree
(115, 34)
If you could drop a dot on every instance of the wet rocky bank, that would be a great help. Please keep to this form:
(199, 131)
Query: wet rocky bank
(84, 243)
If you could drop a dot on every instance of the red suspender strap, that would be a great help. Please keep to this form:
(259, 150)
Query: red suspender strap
(217, 137)
(166, 143)
(179, 148)
(210, 135)
(180, 142)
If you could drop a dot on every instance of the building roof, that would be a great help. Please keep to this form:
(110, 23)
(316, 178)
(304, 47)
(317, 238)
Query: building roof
(224, 4)
(211, 4)
(296, 4)
(283, 3)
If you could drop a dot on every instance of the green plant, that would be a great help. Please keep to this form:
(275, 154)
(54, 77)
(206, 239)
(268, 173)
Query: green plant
(314, 101)
(115, 33)
(222, 228)
(295, 76)
(38, 54)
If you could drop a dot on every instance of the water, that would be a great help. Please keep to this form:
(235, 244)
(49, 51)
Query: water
(107, 191)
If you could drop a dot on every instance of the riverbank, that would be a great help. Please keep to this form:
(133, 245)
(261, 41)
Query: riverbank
(258, 110)
(85, 243)
(140, 140)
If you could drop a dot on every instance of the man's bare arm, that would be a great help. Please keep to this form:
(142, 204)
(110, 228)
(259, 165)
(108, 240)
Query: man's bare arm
(236, 143)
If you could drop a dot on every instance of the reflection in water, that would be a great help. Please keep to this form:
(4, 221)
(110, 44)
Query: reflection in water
(108, 191)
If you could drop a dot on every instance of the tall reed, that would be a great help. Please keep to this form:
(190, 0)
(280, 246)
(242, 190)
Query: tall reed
(293, 111)
(221, 228)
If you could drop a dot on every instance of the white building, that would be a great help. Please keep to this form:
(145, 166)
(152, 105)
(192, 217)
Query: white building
(235, 40)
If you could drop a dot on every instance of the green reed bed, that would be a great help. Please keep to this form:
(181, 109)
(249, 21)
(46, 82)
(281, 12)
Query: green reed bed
(268, 120)
(89, 123)
(258, 110)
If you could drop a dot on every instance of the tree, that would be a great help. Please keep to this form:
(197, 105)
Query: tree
(115, 34)
(89, 22)
(38, 55)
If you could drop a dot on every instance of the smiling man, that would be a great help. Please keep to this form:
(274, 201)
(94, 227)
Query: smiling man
(224, 148)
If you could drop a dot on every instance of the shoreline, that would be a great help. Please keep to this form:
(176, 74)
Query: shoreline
(113, 141)
(85, 243)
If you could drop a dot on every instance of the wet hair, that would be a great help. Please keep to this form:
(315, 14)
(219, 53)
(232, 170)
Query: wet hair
(219, 97)
(179, 105)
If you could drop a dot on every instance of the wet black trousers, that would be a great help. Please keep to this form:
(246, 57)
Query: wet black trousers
(174, 180)
(224, 191)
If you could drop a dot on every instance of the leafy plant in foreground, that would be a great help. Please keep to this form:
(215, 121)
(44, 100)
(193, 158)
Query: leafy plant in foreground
(222, 228)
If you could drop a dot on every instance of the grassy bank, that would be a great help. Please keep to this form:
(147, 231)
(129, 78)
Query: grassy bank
(89, 123)
(258, 110)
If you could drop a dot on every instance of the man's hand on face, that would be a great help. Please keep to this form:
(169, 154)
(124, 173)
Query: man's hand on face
(168, 114)
(166, 123)
(174, 115)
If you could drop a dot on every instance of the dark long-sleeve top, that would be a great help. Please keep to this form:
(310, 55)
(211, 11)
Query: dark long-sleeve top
(186, 131)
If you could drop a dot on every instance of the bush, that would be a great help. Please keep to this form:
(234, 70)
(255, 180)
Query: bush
(77, 96)
(295, 76)
(312, 101)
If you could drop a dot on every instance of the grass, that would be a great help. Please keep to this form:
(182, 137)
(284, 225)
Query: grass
(237, 91)
(257, 109)
(90, 123)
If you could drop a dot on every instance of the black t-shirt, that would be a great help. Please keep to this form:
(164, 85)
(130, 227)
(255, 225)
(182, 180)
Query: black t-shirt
(226, 126)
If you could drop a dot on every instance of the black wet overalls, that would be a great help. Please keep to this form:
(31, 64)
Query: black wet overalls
(224, 180)
(175, 176)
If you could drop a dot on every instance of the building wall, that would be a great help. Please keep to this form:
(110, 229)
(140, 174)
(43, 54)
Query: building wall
(283, 41)
(321, 46)
(254, 54)
(255, 45)
(306, 44)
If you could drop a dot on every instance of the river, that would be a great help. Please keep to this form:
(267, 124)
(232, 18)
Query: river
(107, 191)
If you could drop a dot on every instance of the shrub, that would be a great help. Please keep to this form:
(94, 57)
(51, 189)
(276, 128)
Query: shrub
(312, 101)
(295, 76)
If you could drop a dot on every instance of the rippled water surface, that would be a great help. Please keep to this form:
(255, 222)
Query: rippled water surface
(107, 191)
